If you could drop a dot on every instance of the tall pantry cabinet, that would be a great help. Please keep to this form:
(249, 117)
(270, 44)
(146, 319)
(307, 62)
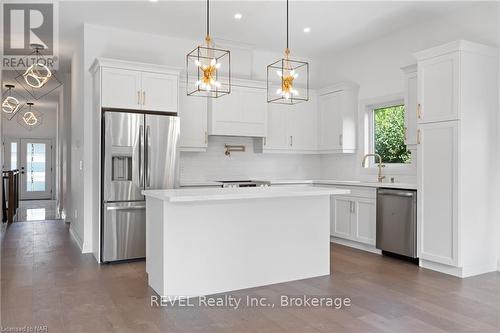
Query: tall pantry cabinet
(456, 124)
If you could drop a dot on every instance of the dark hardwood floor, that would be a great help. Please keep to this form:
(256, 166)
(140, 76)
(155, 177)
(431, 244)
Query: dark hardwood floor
(47, 281)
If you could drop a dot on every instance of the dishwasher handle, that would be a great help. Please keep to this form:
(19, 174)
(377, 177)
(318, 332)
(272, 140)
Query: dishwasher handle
(407, 194)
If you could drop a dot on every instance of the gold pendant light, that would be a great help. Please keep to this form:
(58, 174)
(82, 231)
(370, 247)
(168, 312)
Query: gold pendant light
(208, 69)
(287, 79)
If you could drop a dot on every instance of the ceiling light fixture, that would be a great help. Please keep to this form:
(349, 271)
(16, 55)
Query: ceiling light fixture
(287, 79)
(10, 104)
(307, 30)
(37, 75)
(205, 63)
(238, 16)
(29, 117)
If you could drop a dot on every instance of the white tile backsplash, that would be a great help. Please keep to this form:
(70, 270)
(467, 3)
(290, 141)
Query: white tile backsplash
(214, 165)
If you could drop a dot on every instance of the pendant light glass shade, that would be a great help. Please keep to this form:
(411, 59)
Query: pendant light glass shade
(208, 69)
(287, 79)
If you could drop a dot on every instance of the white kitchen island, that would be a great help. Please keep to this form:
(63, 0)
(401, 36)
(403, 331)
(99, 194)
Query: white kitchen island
(212, 240)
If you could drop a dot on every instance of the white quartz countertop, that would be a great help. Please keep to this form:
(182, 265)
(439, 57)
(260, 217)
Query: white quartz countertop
(213, 194)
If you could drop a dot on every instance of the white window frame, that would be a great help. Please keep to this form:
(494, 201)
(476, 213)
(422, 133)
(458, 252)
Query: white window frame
(368, 137)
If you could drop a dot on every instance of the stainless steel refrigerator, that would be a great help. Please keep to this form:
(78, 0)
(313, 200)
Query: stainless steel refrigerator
(139, 151)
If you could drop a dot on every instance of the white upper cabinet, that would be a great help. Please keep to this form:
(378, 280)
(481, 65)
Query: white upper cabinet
(241, 113)
(137, 86)
(410, 86)
(159, 91)
(292, 128)
(277, 128)
(193, 114)
(121, 88)
(303, 125)
(438, 98)
(337, 118)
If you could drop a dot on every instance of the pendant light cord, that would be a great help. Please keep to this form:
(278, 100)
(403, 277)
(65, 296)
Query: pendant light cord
(208, 18)
(287, 24)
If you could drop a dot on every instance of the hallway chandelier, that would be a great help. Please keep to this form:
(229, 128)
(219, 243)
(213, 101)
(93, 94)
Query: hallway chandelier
(287, 79)
(38, 79)
(208, 69)
(31, 118)
(10, 104)
(37, 75)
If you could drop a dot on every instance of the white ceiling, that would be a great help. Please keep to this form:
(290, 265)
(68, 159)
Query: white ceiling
(335, 25)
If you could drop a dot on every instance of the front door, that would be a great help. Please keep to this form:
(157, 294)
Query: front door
(36, 169)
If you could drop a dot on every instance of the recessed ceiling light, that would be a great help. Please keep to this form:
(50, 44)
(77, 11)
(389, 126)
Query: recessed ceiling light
(307, 29)
(238, 16)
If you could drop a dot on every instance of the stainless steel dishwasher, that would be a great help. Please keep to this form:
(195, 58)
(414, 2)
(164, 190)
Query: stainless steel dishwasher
(397, 221)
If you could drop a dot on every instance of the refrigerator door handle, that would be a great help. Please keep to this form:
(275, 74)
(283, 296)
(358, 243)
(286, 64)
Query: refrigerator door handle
(148, 156)
(125, 207)
(141, 149)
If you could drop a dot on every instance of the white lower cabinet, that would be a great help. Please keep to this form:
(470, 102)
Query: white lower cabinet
(353, 217)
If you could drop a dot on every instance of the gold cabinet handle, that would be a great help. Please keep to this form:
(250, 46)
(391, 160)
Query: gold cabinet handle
(138, 97)
(419, 112)
(291, 141)
(143, 97)
(418, 136)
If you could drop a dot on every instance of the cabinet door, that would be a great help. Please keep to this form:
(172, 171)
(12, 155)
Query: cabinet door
(437, 185)
(303, 125)
(330, 121)
(340, 219)
(411, 108)
(121, 88)
(364, 220)
(159, 92)
(277, 127)
(193, 114)
(438, 88)
(241, 113)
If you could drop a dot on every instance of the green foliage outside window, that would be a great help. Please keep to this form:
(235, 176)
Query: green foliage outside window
(389, 134)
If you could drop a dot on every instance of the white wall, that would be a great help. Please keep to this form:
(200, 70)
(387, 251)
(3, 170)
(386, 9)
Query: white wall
(214, 165)
(375, 66)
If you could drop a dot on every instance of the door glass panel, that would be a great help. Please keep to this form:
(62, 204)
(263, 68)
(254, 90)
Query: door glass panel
(13, 155)
(35, 167)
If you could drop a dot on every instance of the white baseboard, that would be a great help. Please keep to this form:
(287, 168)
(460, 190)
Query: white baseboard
(356, 245)
(75, 237)
(461, 272)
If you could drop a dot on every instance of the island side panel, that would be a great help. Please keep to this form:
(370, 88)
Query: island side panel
(219, 246)
(155, 244)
